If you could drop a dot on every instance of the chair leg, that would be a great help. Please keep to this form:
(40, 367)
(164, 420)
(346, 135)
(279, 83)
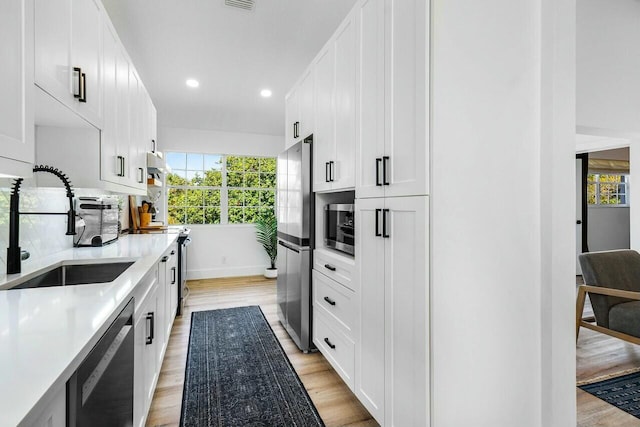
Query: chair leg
(582, 294)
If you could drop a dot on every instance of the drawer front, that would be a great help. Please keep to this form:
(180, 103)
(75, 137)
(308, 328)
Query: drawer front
(339, 268)
(335, 346)
(335, 300)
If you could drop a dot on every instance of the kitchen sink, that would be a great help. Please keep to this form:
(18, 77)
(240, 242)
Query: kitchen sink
(76, 274)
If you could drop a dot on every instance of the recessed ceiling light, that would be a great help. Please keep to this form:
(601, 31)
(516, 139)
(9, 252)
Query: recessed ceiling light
(266, 93)
(193, 83)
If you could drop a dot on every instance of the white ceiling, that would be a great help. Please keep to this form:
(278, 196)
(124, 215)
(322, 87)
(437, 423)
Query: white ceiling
(232, 52)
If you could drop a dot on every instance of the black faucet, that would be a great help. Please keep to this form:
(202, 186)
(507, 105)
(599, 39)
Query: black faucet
(13, 251)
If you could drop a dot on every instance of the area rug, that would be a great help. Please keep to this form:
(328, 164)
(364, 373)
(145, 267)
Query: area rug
(623, 392)
(237, 374)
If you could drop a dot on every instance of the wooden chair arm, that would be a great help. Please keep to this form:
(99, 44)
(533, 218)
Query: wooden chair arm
(610, 292)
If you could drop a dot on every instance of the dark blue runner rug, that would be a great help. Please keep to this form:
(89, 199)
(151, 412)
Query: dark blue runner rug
(238, 374)
(622, 392)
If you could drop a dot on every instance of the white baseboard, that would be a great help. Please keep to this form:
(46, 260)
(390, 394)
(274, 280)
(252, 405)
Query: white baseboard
(213, 273)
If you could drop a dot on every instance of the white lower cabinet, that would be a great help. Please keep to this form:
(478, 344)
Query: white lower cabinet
(392, 349)
(145, 350)
(336, 346)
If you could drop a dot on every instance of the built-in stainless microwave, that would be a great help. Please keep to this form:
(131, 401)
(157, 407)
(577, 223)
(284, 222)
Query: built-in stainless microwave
(339, 231)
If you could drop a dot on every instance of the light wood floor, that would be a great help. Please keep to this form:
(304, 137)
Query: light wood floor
(600, 355)
(335, 402)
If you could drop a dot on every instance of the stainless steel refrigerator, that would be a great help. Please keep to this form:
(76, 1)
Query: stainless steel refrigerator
(295, 242)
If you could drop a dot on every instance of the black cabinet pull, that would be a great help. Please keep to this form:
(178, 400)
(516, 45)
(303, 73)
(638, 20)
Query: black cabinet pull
(173, 275)
(153, 146)
(173, 252)
(120, 165)
(141, 175)
(164, 258)
(330, 301)
(150, 319)
(83, 79)
(329, 267)
(378, 222)
(333, 346)
(385, 162)
(331, 171)
(296, 129)
(326, 172)
(385, 213)
(378, 161)
(78, 94)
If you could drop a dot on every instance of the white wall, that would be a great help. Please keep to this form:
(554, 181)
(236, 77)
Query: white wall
(608, 228)
(608, 59)
(502, 249)
(222, 250)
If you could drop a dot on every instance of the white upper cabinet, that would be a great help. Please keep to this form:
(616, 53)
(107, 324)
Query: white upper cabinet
(336, 85)
(68, 54)
(16, 100)
(292, 120)
(299, 110)
(394, 88)
(324, 138)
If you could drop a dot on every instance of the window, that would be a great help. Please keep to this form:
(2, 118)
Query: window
(219, 189)
(608, 189)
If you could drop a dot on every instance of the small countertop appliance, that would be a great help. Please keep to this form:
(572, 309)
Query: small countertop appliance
(100, 217)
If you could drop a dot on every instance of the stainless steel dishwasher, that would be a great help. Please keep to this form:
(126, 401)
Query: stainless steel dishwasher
(100, 392)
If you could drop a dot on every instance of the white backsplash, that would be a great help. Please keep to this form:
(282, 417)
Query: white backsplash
(39, 234)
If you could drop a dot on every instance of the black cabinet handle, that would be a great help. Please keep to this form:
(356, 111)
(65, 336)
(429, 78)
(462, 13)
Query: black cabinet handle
(120, 165)
(173, 252)
(333, 346)
(378, 222)
(164, 258)
(378, 161)
(83, 78)
(173, 275)
(153, 146)
(78, 94)
(150, 320)
(385, 162)
(578, 222)
(329, 267)
(330, 301)
(296, 129)
(331, 171)
(385, 213)
(326, 172)
(141, 175)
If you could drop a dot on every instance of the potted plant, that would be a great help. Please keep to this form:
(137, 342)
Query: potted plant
(267, 236)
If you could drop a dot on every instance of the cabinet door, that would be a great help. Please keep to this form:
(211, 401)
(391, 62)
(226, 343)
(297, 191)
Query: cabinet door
(407, 312)
(305, 105)
(370, 343)
(291, 117)
(123, 134)
(344, 167)
(370, 129)
(53, 48)
(16, 114)
(406, 98)
(86, 54)
(172, 291)
(110, 169)
(324, 138)
(137, 156)
(144, 357)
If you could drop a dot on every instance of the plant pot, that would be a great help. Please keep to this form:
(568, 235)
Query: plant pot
(270, 273)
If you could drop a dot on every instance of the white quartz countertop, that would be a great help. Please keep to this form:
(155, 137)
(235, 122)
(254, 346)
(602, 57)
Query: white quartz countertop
(45, 333)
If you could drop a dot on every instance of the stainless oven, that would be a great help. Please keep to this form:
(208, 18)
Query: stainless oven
(100, 391)
(339, 228)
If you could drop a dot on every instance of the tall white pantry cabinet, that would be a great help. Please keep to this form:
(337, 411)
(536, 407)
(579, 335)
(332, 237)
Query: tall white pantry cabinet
(389, 116)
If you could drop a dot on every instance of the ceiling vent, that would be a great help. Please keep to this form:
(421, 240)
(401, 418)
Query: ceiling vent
(241, 4)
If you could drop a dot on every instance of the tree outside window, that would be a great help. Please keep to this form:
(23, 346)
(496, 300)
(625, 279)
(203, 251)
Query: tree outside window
(219, 189)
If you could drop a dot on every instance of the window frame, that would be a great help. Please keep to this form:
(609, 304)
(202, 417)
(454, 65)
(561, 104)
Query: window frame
(224, 189)
(597, 193)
